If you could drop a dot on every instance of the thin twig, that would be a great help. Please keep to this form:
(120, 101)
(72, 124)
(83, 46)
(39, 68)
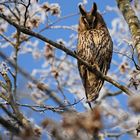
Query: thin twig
(58, 20)
(11, 10)
(26, 12)
(6, 39)
(42, 108)
(117, 135)
(108, 94)
(64, 27)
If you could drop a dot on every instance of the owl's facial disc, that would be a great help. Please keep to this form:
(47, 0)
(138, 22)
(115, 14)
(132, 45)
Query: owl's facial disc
(89, 21)
(92, 23)
(88, 18)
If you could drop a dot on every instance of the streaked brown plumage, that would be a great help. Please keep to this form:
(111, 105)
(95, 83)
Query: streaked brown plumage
(95, 46)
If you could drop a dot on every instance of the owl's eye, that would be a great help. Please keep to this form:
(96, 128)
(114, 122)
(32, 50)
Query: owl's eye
(93, 19)
(85, 20)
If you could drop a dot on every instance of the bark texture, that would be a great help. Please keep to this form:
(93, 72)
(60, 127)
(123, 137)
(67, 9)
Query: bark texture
(132, 21)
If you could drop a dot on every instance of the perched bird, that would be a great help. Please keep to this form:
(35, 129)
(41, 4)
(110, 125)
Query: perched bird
(94, 46)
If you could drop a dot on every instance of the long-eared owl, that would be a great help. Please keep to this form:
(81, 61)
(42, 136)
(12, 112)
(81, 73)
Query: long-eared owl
(94, 46)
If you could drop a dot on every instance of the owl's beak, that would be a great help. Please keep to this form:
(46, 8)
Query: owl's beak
(93, 22)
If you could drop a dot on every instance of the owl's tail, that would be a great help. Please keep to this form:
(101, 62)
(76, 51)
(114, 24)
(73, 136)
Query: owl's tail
(93, 85)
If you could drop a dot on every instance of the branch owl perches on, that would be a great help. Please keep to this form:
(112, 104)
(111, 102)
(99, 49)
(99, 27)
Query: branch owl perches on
(95, 46)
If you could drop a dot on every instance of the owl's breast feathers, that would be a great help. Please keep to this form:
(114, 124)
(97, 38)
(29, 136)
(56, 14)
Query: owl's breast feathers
(93, 44)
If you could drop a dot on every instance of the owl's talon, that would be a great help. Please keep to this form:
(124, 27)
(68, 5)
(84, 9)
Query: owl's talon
(89, 101)
(96, 67)
(93, 99)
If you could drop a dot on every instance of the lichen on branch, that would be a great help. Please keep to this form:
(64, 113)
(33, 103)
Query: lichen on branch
(132, 21)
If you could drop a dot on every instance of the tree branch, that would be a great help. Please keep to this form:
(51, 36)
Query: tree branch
(132, 21)
(26, 12)
(117, 135)
(67, 51)
(9, 113)
(9, 126)
(39, 85)
(11, 101)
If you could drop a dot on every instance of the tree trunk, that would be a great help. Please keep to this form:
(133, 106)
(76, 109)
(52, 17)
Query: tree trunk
(133, 23)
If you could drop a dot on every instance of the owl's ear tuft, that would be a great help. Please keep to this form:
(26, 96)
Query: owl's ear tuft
(94, 9)
(82, 10)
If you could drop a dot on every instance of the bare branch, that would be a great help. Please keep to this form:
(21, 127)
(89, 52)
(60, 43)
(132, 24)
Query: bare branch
(10, 98)
(9, 126)
(47, 107)
(9, 113)
(117, 135)
(62, 18)
(26, 12)
(6, 39)
(16, 47)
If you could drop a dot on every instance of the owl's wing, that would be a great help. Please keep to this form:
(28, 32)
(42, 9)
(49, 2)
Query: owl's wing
(89, 81)
(101, 57)
(82, 71)
(102, 50)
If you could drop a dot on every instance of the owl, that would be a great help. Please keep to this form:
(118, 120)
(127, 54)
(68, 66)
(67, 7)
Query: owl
(94, 46)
